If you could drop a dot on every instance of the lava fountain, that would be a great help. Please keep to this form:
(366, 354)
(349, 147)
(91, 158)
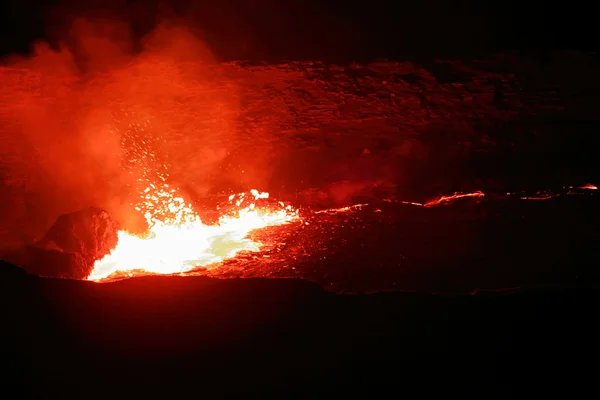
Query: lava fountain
(178, 241)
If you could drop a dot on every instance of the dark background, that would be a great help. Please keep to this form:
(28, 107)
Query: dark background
(272, 337)
(332, 30)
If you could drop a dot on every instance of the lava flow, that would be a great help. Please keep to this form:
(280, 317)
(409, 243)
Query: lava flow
(178, 241)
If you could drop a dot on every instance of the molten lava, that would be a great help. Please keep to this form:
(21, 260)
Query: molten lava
(178, 241)
(444, 199)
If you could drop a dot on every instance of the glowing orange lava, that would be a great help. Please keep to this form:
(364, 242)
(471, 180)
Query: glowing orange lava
(541, 196)
(455, 196)
(179, 241)
(341, 209)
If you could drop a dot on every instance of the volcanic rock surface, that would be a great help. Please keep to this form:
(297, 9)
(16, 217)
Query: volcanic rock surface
(71, 246)
(56, 263)
(386, 134)
(321, 135)
(91, 233)
(415, 127)
(161, 337)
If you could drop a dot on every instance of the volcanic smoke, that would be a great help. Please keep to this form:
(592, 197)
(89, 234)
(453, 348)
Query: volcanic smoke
(92, 122)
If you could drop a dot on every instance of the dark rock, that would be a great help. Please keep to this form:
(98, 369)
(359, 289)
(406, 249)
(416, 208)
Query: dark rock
(91, 233)
(186, 333)
(73, 244)
(56, 263)
(10, 272)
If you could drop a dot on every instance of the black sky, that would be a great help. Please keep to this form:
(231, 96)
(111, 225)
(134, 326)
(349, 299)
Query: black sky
(327, 29)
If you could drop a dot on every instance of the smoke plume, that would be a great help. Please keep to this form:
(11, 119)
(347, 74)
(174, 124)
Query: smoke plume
(84, 119)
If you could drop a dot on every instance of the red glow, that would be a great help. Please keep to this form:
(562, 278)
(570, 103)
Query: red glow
(178, 241)
(445, 199)
(341, 209)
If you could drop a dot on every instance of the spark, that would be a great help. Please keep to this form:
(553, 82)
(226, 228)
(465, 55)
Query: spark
(177, 240)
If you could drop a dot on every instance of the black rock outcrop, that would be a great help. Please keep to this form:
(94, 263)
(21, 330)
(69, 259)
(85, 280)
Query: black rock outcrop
(72, 245)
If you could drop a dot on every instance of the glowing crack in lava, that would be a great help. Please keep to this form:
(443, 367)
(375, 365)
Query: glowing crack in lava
(178, 241)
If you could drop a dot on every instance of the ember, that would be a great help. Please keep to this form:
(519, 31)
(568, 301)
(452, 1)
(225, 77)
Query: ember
(177, 240)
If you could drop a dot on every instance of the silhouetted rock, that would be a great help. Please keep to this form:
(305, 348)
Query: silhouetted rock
(10, 272)
(272, 337)
(73, 244)
(91, 233)
(56, 263)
